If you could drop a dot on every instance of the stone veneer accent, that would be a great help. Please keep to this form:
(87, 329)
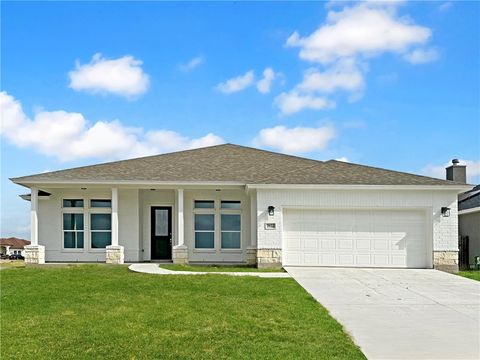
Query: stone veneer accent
(445, 260)
(115, 254)
(34, 254)
(180, 254)
(269, 258)
(251, 256)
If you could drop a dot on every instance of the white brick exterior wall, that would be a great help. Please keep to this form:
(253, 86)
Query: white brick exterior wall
(443, 230)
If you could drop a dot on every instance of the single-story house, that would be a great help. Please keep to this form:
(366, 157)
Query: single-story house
(13, 246)
(469, 220)
(235, 204)
(468, 209)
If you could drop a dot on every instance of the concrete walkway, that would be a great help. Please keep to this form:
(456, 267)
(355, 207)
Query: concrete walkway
(400, 314)
(155, 269)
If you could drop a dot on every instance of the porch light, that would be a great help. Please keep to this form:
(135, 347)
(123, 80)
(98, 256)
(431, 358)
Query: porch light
(445, 211)
(271, 210)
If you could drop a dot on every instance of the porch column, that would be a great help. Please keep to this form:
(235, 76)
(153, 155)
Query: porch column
(34, 216)
(181, 230)
(114, 216)
(180, 251)
(34, 253)
(251, 257)
(115, 252)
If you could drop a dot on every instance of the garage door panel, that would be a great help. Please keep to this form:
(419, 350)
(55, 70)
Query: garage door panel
(345, 259)
(345, 244)
(311, 259)
(368, 238)
(380, 244)
(328, 244)
(310, 244)
(363, 259)
(363, 244)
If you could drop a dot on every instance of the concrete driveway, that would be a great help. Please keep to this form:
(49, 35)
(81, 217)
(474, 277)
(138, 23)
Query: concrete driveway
(400, 314)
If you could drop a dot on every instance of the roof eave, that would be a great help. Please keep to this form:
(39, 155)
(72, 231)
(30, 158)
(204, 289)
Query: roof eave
(450, 187)
(142, 183)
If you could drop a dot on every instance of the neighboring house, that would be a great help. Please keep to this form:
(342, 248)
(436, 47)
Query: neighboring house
(234, 204)
(13, 246)
(468, 209)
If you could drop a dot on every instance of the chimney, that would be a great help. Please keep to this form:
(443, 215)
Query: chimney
(456, 172)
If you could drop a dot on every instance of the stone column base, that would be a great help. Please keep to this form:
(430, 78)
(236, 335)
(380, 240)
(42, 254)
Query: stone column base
(251, 256)
(34, 254)
(180, 254)
(445, 261)
(115, 254)
(269, 258)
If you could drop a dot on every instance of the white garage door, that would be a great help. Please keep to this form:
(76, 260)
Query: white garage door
(358, 238)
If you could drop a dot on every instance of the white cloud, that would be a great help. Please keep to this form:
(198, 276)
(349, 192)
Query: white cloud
(343, 158)
(192, 64)
(295, 140)
(365, 29)
(69, 136)
(445, 6)
(342, 45)
(422, 56)
(264, 84)
(293, 102)
(344, 75)
(438, 171)
(123, 76)
(238, 83)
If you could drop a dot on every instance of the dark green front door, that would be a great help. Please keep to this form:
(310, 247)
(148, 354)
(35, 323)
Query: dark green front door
(161, 233)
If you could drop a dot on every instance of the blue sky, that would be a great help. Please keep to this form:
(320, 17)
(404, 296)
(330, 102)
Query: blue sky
(388, 85)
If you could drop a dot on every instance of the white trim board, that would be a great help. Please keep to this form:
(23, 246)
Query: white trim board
(469, 211)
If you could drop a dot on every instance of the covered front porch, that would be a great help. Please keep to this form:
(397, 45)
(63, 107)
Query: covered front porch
(126, 223)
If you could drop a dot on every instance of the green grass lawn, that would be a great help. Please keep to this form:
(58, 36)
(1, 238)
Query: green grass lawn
(108, 312)
(471, 274)
(5, 264)
(217, 268)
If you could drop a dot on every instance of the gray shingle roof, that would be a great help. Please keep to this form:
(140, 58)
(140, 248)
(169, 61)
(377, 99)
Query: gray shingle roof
(469, 199)
(233, 163)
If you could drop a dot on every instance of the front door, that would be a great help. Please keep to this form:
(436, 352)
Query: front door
(161, 231)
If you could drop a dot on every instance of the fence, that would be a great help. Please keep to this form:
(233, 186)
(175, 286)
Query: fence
(463, 255)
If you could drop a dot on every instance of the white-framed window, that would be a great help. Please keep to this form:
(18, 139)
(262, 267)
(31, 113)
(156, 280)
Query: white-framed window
(217, 224)
(86, 221)
(204, 224)
(73, 223)
(73, 230)
(204, 231)
(231, 231)
(100, 223)
(204, 204)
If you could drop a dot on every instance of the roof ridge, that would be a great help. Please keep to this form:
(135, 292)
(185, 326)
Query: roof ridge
(121, 161)
(395, 171)
(165, 154)
(291, 171)
(275, 153)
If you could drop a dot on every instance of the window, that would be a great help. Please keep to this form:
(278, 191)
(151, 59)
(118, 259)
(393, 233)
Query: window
(73, 231)
(233, 205)
(230, 231)
(73, 203)
(204, 204)
(100, 230)
(101, 203)
(204, 231)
